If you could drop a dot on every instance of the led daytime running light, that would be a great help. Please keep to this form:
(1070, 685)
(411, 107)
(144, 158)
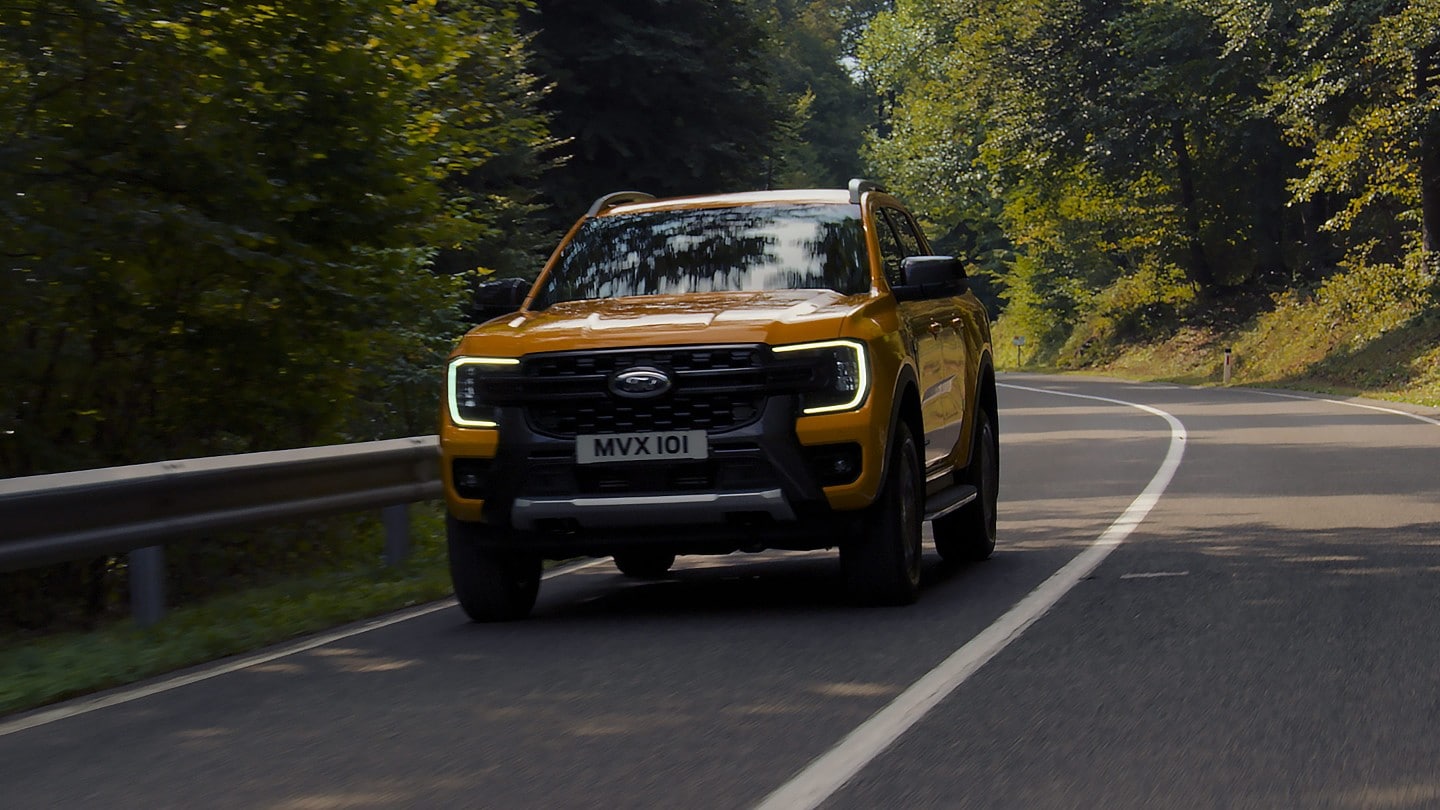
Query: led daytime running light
(452, 379)
(862, 372)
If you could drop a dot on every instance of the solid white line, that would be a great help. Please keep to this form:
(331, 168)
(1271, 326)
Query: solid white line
(1351, 405)
(1155, 574)
(830, 771)
(81, 706)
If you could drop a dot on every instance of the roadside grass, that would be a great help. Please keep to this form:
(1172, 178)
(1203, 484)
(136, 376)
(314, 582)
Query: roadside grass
(38, 671)
(1386, 350)
(1401, 364)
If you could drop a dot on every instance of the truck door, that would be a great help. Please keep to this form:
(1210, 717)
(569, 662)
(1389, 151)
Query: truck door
(928, 327)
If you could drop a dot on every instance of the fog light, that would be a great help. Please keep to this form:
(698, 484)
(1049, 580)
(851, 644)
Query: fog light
(835, 464)
(470, 476)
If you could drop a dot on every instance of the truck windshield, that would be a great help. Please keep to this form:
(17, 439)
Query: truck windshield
(740, 248)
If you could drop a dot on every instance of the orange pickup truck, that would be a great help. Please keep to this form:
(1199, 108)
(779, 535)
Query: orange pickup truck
(706, 375)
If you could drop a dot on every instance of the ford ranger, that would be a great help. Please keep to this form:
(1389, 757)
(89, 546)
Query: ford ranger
(707, 375)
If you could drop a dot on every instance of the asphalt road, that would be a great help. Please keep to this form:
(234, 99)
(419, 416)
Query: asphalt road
(1236, 606)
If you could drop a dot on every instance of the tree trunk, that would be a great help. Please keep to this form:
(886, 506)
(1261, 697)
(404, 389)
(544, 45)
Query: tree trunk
(1430, 189)
(1427, 69)
(1200, 271)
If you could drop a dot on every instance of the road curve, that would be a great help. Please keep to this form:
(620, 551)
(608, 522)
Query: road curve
(1261, 634)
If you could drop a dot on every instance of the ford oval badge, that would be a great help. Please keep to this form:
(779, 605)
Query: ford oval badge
(640, 383)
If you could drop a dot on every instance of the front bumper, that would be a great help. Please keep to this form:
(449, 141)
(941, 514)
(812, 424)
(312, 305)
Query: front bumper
(529, 514)
(759, 488)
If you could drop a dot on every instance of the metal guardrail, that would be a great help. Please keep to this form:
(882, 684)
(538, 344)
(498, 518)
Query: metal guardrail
(54, 518)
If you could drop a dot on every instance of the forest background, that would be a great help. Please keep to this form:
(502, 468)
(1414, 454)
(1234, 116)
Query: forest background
(233, 228)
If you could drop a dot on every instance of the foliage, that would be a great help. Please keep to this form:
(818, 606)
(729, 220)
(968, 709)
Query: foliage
(664, 96)
(1356, 306)
(212, 203)
(1362, 90)
(1096, 148)
(219, 229)
(1370, 330)
(508, 240)
(830, 108)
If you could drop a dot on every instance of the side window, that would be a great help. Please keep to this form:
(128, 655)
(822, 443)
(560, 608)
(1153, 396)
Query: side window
(890, 250)
(905, 230)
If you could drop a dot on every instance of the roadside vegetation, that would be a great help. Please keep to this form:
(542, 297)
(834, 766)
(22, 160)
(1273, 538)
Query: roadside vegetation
(37, 668)
(1358, 334)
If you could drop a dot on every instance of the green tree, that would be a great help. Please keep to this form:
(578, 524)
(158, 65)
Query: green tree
(831, 108)
(1362, 91)
(219, 218)
(664, 96)
(1111, 143)
(501, 192)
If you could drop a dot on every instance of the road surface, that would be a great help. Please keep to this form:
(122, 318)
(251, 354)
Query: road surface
(1200, 598)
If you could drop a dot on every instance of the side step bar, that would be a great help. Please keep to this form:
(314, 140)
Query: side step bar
(948, 500)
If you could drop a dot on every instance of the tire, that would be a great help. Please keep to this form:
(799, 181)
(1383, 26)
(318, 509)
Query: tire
(490, 585)
(968, 533)
(881, 566)
(644, 564)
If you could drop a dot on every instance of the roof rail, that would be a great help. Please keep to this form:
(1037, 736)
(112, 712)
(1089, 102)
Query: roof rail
(617, 198)
(858, 187)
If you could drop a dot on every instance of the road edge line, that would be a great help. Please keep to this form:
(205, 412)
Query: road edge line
(827, 774)
(1347, 403)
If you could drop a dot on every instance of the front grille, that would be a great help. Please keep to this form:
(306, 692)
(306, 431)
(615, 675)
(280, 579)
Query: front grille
(713, 412)
(716, 388)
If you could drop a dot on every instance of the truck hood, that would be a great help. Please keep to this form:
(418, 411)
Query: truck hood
(770, 316)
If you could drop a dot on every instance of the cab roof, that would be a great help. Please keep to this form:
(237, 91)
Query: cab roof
(829, 196)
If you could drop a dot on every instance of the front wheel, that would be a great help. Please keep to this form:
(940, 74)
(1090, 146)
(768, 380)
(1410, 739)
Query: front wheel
(968, 533)
(882, 565)
(491, 585)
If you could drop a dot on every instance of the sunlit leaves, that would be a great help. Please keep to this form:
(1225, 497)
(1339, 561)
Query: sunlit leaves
(1363, 92)
(1104, 138)
(219, 218)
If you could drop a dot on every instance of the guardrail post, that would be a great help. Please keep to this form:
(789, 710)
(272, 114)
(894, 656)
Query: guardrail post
(397, 533)
(147, 585)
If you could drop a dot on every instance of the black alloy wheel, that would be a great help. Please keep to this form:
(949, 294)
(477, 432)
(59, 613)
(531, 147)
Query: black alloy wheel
(490, 585)
(881, 566)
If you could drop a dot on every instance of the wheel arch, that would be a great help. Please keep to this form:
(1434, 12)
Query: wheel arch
(907, 409)
(987, 401)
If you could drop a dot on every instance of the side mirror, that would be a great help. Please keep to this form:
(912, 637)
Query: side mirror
(931, 277)
(494, 299)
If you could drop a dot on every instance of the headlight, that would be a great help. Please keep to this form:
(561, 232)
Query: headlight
(842, 375)
(469, 406)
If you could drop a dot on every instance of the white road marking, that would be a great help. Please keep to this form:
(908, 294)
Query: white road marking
(81, 706)
(1155, 575)
(830, 771)
(1349, 405)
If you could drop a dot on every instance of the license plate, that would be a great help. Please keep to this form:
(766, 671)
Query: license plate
(599, 448)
